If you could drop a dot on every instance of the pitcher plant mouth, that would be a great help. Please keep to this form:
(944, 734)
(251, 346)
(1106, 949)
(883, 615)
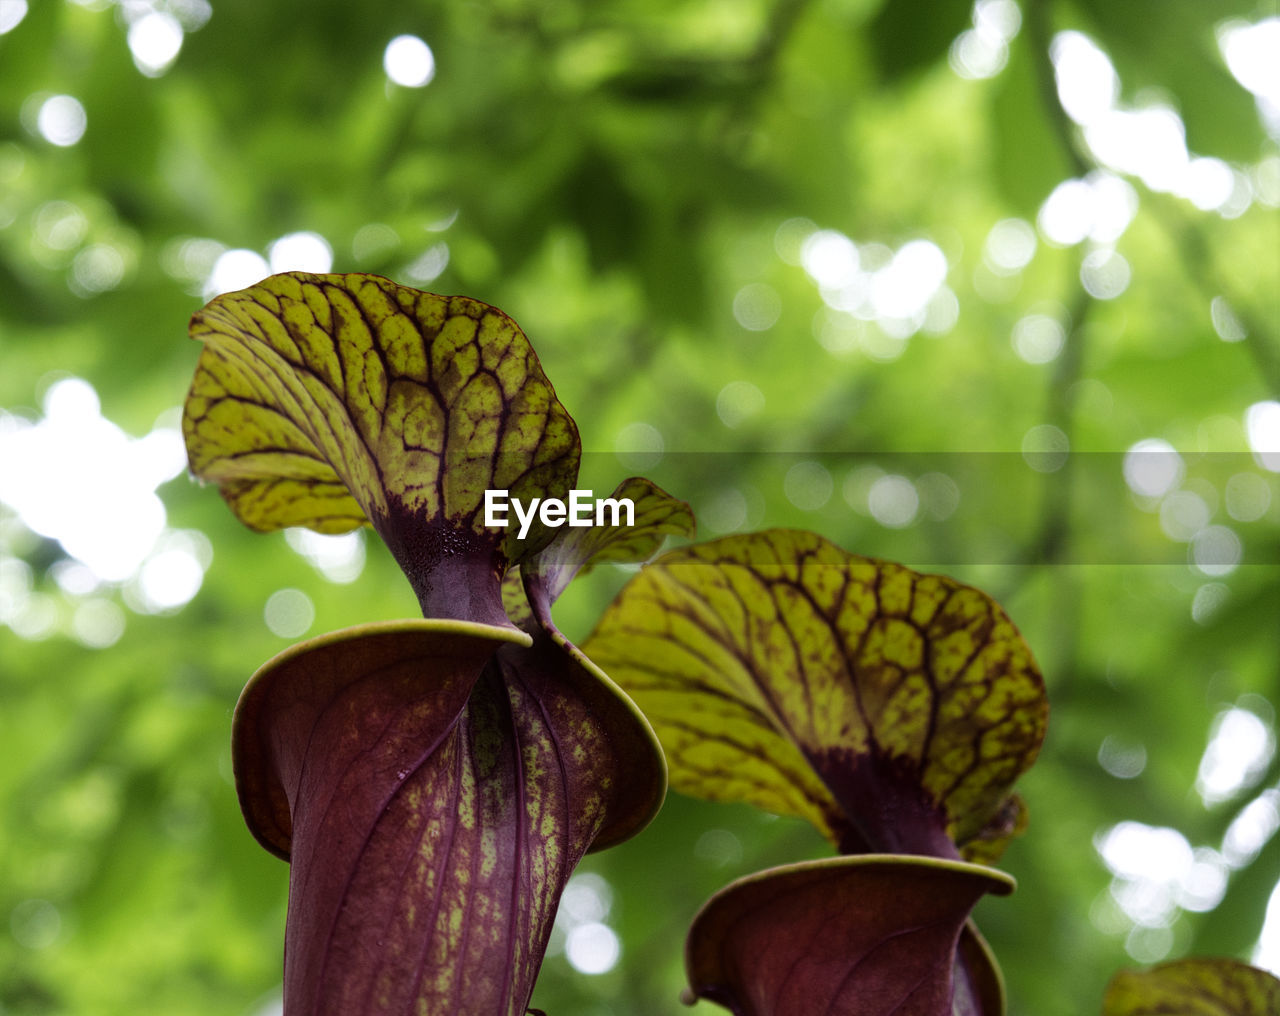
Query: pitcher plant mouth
(292, 690)
(433, 785)
(875, 935)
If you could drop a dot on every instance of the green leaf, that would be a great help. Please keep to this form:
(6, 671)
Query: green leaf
(433, 785)
(1196, 987)
(908, 37)
(1006, 825)
(543, 577)
(876, 935)
(894, 710)
(328, 400)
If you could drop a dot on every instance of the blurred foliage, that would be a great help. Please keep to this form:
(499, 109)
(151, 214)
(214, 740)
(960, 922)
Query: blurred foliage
(634, 183)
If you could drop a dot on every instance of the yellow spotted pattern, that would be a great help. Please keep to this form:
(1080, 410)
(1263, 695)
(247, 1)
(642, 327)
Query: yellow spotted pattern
(454, 879)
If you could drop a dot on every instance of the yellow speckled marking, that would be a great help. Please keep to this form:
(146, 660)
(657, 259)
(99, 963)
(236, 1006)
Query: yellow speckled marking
(456, 870)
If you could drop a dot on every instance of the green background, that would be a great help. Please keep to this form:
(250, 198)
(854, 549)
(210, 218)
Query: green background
(625, 180)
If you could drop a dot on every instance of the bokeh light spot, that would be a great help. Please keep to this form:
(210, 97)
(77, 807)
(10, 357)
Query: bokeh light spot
(1203, 887)
(35, 924)
(1099, 208)
(72, 457)
(62, 120)
(36, 618)
(1240, 748)
(830, 258)
(1134, 850)
(97, 269)
(893, 501)
(1262, 425)
(1250, 52)
(300, 252)
(1088, 85)
(726, 512)
(592, 948)
(11, 14)
(939, 495)
(808, 485)
(1183, 514)
(339, 558)
(1208, 183)
(837, 332)
(789, 238)
(155, 39)
(1038, 338)
(15, 587)
(1149, 945)
(983, 50)
(1216, 551)
(757, 306)
(856, 488)
(60, 225)
(587, 897)
(289, 613)
(639, 446)
(235, 269)
(1067, 213)
(904, 286)
(941, 312)
(74, 578)
(1267, 952)
(738, 402)
(1104, 274)
(372, 241)
(1248, 497)
(174, 573)
(1152, 468)
(98, 623)
(1225, 322)
(1125, 760)
(1209, 600)
(428, 266)
(1252, 827)
(1045, 448)
(409, 61)
(1010, 246)
(718, 847)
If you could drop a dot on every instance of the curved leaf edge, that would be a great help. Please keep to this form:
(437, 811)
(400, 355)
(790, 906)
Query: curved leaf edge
(643, 815)
(1145, 992)
(988, 978)
(1002, 882)
(262, 797)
